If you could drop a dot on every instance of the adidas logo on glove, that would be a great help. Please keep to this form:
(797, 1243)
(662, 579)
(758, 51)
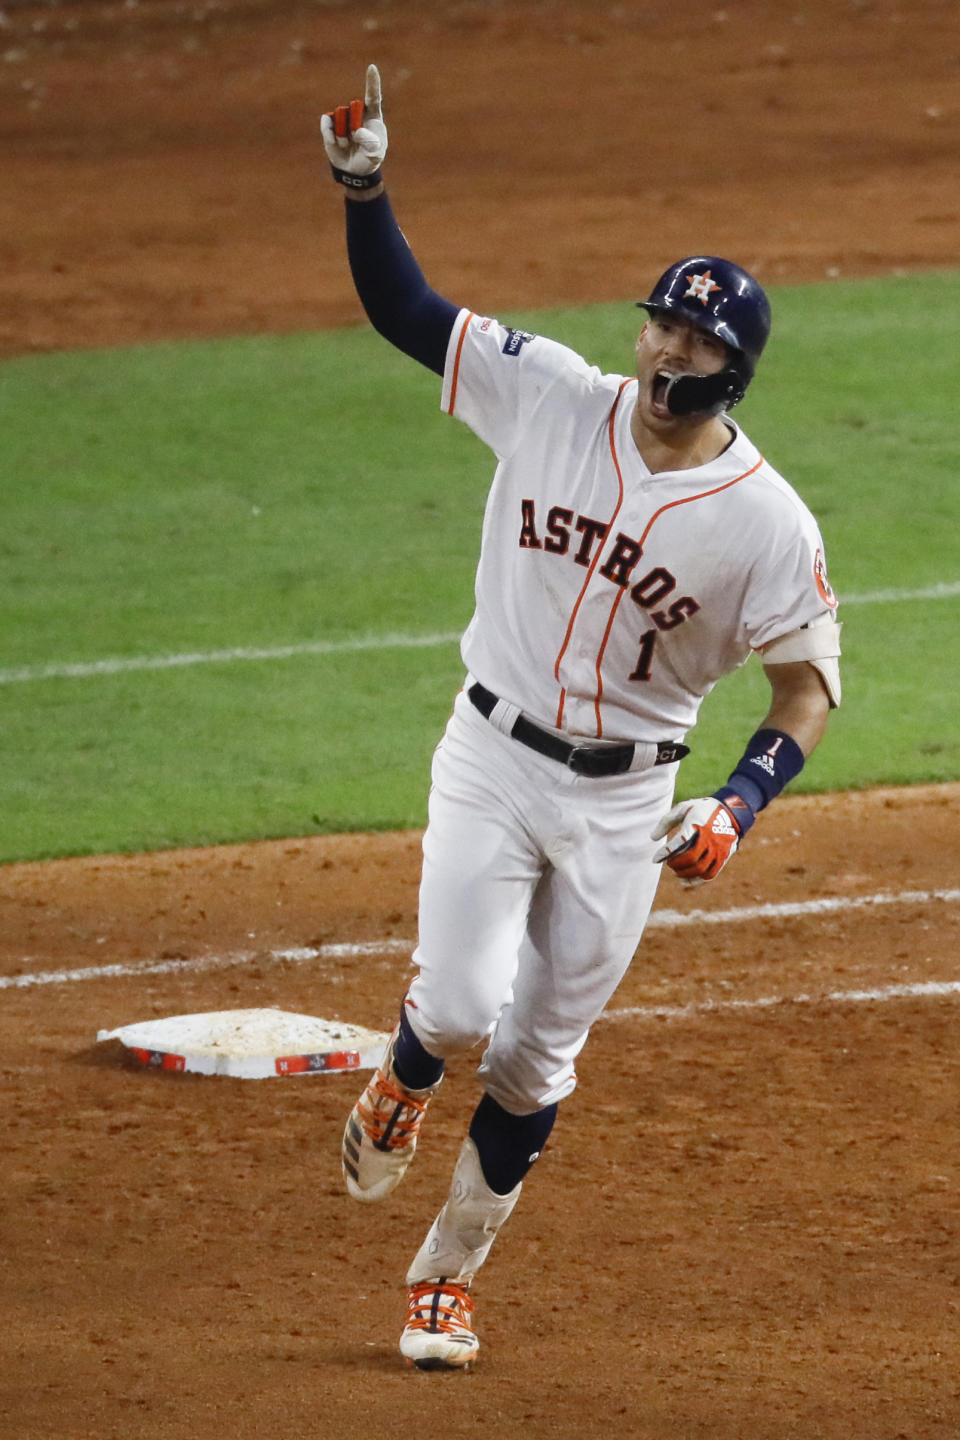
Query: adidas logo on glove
(722, 824)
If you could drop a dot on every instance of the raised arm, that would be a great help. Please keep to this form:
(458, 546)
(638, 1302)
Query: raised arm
(392, 288)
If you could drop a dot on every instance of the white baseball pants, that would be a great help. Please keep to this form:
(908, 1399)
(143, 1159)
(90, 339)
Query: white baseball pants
(535, 889)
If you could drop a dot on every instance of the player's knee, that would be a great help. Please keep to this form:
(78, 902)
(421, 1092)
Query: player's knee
(449, 1025)
(523, 1082)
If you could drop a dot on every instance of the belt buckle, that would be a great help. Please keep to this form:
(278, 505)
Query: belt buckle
(578, 759)
(595, 762)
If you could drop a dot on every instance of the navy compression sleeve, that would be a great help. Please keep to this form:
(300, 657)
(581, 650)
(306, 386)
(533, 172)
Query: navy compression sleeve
(392, 288)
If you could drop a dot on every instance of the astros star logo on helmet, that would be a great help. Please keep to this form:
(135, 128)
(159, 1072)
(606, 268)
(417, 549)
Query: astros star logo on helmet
(702, 286)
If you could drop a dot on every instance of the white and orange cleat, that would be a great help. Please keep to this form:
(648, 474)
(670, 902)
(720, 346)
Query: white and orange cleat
(381, 1132)
(439, 1334)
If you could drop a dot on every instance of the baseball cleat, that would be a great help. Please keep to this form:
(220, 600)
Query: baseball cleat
(438, 1334)
(381, 1133)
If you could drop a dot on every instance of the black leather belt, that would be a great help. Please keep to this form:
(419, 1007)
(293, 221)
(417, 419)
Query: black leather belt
(593, 760)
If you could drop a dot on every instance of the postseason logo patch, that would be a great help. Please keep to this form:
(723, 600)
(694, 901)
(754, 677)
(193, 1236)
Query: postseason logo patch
(515, 341)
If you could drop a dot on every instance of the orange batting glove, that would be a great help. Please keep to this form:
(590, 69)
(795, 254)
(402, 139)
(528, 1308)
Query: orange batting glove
(704, 836)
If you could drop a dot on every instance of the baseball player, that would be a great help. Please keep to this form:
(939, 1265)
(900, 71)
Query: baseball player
(636, 547)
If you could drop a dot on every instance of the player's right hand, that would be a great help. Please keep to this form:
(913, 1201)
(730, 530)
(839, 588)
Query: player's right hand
(703, 835)
(354, 135)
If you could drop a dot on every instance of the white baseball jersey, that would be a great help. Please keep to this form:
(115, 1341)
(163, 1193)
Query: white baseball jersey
(610, 600)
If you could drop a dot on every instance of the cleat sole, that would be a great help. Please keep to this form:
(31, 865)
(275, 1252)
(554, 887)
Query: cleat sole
(434, 1365)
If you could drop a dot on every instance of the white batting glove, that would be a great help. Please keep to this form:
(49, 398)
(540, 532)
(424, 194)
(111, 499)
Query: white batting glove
(706, 838)
(355, 137)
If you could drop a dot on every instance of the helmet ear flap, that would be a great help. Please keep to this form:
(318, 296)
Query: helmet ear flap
(705, 394)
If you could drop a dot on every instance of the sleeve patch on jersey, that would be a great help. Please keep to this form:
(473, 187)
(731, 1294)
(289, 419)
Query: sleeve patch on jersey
(515, 341)
(824, 587)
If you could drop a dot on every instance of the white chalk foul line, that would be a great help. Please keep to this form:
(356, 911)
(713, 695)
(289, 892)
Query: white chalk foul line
(122, 665)
(945, 591)
(200, 963)
(660, 919)
(919, 990)
(673, 919)
(830, 904)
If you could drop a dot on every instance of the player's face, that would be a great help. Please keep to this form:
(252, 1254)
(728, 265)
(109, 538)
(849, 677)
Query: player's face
(668, 346)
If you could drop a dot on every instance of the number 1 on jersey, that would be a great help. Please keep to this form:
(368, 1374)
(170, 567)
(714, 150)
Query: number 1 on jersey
(645, 660)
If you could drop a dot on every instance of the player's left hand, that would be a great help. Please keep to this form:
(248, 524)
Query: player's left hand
(354, 135)
(706, 838)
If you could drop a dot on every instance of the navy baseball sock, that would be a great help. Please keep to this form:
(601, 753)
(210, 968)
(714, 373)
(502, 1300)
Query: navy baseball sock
(414, 1066)
(508, 1144)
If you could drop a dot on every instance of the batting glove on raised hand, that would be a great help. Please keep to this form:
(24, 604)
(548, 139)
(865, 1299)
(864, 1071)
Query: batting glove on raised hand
(707, 837)
(355, 137)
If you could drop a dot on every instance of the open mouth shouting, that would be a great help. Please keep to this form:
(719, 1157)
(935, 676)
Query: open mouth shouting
(659, 387)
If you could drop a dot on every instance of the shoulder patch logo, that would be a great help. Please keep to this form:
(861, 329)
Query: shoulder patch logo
(824, 588)
(515, 341)
(701, 287)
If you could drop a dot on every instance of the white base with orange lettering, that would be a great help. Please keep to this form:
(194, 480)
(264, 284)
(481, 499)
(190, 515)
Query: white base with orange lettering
(251, 1044)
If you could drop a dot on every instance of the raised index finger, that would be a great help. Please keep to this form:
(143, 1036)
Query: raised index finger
(373, 98)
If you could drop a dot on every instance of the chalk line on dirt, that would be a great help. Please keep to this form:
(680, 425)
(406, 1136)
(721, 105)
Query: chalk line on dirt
(828, 904)
(661, 919)
(199, 963)
(921, 989)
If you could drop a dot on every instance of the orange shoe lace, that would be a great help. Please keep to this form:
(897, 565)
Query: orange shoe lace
(447, 1307)
(394, 1117)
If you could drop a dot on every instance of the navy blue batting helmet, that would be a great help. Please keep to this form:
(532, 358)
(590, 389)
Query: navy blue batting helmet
(721, 297)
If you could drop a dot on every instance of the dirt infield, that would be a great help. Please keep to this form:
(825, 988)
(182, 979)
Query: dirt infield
(164, 175)
(746, 1224)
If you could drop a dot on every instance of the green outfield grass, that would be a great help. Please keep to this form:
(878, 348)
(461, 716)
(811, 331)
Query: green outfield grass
(266, 493)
